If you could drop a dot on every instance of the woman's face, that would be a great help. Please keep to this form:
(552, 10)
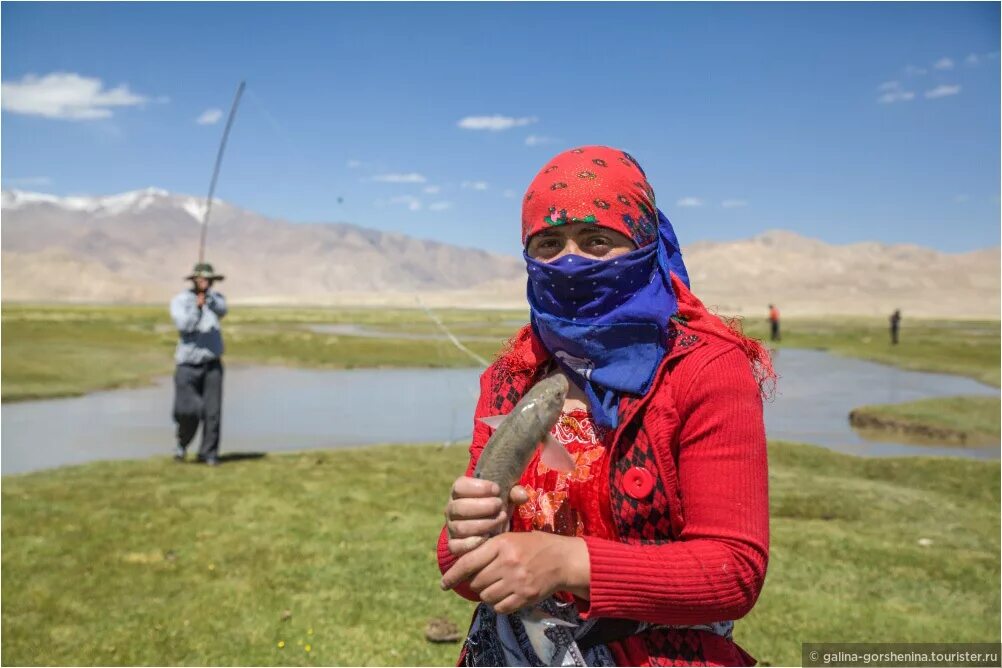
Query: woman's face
(584, 239)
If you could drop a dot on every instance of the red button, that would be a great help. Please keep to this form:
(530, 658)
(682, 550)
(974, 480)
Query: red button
(639, 482)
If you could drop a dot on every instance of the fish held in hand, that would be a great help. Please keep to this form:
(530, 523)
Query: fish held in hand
(519, 433)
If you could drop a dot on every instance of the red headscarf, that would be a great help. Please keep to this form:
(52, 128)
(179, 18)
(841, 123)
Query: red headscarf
(592, 184)
(607, 187)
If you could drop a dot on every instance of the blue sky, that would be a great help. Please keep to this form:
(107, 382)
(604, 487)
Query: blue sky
(845, 122)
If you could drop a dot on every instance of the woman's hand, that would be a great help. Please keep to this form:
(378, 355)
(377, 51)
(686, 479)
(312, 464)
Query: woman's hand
(475, 512)
(514, 570)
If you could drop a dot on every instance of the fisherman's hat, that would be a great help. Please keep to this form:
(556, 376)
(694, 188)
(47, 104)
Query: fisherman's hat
(204, 270)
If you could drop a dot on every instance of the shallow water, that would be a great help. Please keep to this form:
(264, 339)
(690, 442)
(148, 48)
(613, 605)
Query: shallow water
(816, 391)
(270, 409)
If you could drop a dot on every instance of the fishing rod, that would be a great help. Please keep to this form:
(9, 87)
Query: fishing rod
(215, 170)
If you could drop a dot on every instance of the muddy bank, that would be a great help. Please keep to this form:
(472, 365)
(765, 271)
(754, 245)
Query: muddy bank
(883, 427)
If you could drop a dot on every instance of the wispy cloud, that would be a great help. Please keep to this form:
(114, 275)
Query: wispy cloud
(975, 59)
(538, 140)
(209, 117)
(66, 95)
(30, 181)
(510, 194)
(410, 177)
(412, 203)
(892, 91)
(475, 185)
(354, 164)
(734, 203)
(942, 91)
(432, 190)
(943, 64)
(689, 201)
(495, 123)
(961, 199)
(439, 206)
(913, 71)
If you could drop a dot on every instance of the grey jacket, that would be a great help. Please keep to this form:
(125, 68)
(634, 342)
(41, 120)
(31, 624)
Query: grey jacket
(201, 338)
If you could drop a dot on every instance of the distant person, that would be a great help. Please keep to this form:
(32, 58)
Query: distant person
(895, 325)
(774, 322)
(198, 378)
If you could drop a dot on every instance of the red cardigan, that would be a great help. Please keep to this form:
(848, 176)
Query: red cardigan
(699, 553)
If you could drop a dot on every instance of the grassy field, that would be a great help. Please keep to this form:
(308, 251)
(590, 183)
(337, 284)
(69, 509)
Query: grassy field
(151, 562)
(957, 420)
(53, 351)
(965, 348)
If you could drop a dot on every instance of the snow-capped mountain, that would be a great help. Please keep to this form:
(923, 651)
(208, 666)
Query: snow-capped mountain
(136, 246)
(111, 205)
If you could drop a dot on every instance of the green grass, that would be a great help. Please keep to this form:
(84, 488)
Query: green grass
(67, 350)
(149, 562)
(961, 420)
(51, 351)
(965, 348)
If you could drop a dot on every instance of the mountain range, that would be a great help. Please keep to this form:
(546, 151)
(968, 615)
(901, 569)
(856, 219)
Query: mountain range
(134, 247)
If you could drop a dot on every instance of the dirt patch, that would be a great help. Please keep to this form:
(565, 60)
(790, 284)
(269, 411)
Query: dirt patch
(877, 426)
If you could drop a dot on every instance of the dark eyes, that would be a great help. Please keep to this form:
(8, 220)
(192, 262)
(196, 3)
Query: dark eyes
(595, 243)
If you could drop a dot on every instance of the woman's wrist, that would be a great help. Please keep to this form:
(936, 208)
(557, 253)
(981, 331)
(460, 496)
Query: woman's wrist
(575, 567)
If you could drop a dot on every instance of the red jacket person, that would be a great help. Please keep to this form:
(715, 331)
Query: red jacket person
(657, 540)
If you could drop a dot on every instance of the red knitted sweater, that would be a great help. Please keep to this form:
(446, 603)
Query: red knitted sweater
(699, 551)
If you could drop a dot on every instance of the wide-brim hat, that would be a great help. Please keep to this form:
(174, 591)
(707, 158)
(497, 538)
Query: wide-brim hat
(204, 270)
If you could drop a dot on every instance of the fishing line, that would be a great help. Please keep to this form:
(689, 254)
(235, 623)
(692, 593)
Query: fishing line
(215, 170)
(456, 342)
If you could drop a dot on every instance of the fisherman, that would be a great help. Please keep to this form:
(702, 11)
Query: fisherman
(895, 326)
(773, 323)
(658, 538)
(198, 377)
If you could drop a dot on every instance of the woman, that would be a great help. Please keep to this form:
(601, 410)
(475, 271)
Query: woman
(659, 536)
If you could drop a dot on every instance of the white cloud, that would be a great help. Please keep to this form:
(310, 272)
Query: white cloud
(972, 59)
(433, 190)
(475, 185)
(494, 123)
(734, 203)
(439, 206)
(913, 71)
(538, 140)
(689, 201)
(510, 194)
(893, 92)
(66, 95)
(354, 164)
(412, 203)
(30, 181)
(961, 199)
(410, 177)
(943, 64)
(209, 117)
(942, 91)
(896, 96)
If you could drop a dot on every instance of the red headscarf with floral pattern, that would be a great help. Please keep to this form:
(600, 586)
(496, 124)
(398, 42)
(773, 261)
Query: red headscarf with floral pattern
(592, 184)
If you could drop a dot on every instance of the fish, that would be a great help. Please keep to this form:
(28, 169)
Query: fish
(508, 452)
(520, 432)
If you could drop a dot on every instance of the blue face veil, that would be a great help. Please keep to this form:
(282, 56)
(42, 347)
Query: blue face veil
(606, 321)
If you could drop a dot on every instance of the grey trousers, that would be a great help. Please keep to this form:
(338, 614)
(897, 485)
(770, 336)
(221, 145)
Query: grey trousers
(198, 397)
